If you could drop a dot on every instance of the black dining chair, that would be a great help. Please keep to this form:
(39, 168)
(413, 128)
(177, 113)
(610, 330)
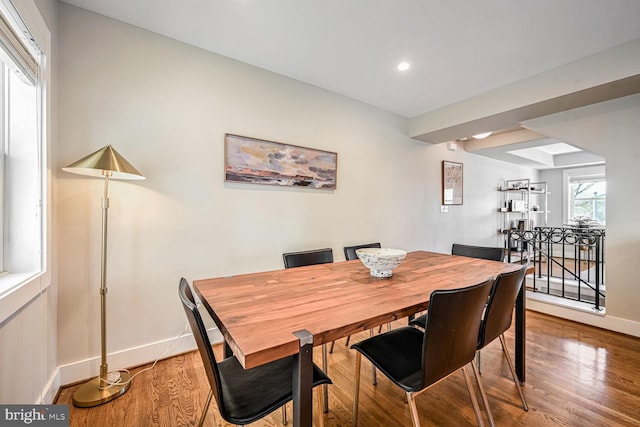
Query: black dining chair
(301, 259)
(242, 395)
(416, 360)
(483, 252)
(350, 251)
(495, 321)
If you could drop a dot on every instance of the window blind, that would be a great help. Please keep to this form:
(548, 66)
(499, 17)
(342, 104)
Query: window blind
(18, 53)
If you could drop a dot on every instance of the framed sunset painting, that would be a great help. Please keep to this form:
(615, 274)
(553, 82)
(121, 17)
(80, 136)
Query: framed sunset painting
(258, 161)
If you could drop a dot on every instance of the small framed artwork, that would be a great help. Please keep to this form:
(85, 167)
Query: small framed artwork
(452, 183)
(257, 161)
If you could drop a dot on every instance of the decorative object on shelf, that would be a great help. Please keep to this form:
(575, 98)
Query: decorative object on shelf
(452, 183)
(105, 163)
(257, 161)
(381, 261)
(518, 205)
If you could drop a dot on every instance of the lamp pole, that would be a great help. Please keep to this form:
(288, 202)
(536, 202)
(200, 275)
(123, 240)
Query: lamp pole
(104, 370)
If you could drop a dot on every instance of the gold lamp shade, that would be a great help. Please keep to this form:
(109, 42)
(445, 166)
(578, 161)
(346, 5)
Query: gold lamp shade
(105, 162)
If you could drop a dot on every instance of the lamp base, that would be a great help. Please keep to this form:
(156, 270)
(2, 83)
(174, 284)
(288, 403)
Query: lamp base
(89, 394)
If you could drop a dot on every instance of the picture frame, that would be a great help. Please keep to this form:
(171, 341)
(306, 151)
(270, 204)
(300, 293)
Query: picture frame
(258, 161)
(452, 183)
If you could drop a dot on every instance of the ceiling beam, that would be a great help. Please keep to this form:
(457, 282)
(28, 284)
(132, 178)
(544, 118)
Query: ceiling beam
(607, 75)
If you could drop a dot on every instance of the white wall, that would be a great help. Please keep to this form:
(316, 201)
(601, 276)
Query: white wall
(553, 178)
(166, 106)
(26, 359)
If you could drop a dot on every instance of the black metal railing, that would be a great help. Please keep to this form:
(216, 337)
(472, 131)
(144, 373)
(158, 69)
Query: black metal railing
(569, 261)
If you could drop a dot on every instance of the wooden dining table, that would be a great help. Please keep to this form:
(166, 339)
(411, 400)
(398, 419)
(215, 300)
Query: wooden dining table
(270, 315)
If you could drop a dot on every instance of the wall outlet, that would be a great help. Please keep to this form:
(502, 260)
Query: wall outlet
(444, 209)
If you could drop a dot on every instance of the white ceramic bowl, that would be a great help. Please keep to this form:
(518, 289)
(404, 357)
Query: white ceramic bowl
(381, 261)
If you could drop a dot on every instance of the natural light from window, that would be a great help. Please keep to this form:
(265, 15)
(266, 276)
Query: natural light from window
(587, 199)
(21, 157)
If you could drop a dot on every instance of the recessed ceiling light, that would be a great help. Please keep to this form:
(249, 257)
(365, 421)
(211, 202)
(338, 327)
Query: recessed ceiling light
(403, 66)
(482, 135)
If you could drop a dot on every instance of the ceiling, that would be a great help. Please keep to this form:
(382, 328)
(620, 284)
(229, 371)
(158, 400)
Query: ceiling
(457, 48)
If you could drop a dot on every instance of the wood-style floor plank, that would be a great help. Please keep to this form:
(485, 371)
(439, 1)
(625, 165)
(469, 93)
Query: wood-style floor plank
(577, 375)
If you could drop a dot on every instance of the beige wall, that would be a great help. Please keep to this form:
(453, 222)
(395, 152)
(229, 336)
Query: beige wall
(166, 106)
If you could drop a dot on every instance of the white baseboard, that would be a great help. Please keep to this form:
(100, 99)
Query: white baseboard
(135, 356)
(51, 388)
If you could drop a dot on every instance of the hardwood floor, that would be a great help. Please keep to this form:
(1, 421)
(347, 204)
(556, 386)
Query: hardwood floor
(576, 375)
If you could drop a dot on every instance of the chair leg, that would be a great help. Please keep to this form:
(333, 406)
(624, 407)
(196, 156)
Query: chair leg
(513, 373)
(474, 399)
(325, 387)
(483, 394)
(478, 361)
(205, 409)
(411, 399)
(356, 390)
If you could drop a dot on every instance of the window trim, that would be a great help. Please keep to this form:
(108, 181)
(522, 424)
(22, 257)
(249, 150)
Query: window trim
(18, 289)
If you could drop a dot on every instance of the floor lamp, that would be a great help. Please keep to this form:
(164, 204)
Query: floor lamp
(105, 163)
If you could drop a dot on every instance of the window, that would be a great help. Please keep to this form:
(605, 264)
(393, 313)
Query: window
(21, 152)
(587, 193)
